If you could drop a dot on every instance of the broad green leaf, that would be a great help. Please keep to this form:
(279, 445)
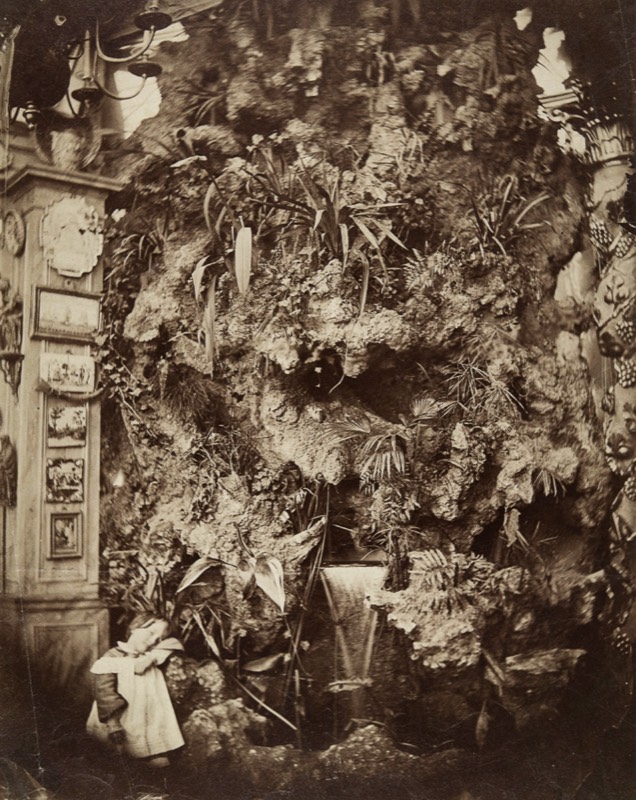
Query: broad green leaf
(527, 226)
(209, 322)
(197, 275)
(364, 289)
(483, 723)
(269, 577)
(312, 190)
(245, 571)
(368, 234)
(243, 259)
(348, 685)
(386, 230)
(187, 161)
(511, 525)
(532, 204)
(263, 664)
(219, 221)
(196, 570)
(510, 182)
(209, 639)
(151, 584)
(372, 239)
(344, 239)
(206, 206)
(493, 673)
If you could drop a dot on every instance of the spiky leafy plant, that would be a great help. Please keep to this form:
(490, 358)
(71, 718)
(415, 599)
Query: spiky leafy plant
(499, 212)
(188, 394)
(442, 607)
(208, 616)
(201, 103)
(291, 202)
(547, 482)
(200, 608)
(448, 582)
(475, 389)
(383, 452)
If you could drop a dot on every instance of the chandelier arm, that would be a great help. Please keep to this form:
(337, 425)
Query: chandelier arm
(74, 62)
(69, 100)
(114, 96)
(75, 58)
(123, 59)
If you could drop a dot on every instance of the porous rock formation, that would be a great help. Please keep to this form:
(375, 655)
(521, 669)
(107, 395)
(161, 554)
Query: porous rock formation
(391, 372)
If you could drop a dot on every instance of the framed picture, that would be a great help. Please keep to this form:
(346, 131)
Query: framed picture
(68, 373)
(64, 480)
(65, 315)
(66, 535)
(65, 424)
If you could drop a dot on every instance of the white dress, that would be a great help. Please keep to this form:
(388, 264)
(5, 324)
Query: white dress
(148, 720)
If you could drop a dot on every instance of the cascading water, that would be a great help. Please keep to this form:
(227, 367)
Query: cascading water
(347, 588)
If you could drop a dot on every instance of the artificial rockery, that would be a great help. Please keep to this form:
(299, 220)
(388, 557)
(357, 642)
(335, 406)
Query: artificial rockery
(330, 329)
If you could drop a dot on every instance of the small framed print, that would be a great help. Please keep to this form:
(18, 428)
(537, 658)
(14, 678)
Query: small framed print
(64, 480)
(68, 373)
(65, 423)
(66, 535)
(65, 315)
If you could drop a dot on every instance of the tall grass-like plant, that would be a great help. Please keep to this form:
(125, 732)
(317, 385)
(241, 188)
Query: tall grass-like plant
(188, 394)
(209, 298)
(499, 212)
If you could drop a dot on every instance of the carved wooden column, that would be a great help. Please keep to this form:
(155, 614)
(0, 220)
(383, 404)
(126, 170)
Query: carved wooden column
(605, 146)
(51, 272)
(609, 149)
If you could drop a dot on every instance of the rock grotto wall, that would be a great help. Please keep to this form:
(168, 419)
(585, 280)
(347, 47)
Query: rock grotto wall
(331, 329)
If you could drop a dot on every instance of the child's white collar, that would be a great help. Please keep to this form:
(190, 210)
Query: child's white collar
(127, 649)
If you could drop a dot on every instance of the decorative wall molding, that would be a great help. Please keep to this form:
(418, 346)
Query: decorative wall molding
(71, 236)
(14, 232)
(8, 472)
(10, 335)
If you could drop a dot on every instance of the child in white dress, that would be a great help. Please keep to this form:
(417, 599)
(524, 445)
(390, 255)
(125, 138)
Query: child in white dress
(132, 709)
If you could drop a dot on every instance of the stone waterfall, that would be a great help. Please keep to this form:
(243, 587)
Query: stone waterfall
(347, 588)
